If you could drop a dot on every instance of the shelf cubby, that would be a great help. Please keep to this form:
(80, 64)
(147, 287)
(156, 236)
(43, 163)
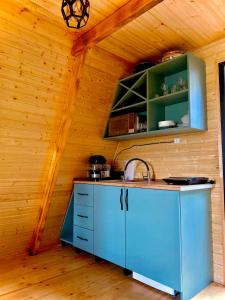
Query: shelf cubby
(128, 99)
(119, 94)
(166, 111)
(168, 73)
(140, 87)
(132, 79)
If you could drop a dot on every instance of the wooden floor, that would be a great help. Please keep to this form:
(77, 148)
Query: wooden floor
(63, 274)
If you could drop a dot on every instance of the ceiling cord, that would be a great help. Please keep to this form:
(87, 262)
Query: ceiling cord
(141, 145)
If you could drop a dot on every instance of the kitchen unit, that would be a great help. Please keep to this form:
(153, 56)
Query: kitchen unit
(158, 231)
(150, 69)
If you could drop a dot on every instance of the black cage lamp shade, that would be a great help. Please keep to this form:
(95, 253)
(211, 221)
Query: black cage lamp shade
(75, 12)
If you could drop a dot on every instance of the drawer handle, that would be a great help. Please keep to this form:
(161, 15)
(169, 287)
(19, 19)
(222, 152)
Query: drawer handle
(82, 239)
(82, 194)
(86, 217)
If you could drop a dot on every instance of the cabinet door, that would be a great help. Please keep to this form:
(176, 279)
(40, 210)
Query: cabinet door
(109, 224)
(153, 235)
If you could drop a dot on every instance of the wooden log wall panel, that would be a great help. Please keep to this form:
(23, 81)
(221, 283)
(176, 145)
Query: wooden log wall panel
(197, 155)
(60, 141)
(35, 67)
(97, 85)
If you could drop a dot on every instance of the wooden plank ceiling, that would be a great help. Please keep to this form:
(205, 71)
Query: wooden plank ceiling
(122, 16)
(172, 24)
(52, 10)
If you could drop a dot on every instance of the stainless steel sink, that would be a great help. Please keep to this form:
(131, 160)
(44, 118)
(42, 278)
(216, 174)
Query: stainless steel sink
(135, 181)
(127, 181)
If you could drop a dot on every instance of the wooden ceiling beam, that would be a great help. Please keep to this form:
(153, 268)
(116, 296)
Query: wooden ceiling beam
(122, 16)
(59, 145)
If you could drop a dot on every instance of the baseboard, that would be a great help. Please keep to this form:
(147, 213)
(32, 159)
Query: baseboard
(153, 284)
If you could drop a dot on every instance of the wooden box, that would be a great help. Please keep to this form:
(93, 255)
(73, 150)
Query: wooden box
(122, 124)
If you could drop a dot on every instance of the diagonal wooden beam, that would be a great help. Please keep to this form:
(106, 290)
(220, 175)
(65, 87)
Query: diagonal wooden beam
(122, 16)
(59, 146)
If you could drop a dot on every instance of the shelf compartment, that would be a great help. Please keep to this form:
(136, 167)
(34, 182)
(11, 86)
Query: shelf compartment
(138, 95)
(128, 99)
(166, 111)
(120, 93)
(131, 80)
(140, 87)
(156, 81)
(140, 111)
(169, 73)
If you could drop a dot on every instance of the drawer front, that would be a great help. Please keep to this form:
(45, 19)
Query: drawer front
(83, 194)
(83, 239)
(83, 216)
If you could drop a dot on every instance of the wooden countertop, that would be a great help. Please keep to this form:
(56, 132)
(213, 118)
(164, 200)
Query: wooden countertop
(155, 185)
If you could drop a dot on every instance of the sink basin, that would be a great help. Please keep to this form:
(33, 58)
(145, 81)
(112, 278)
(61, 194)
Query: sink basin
(135, 181)
(128, 181)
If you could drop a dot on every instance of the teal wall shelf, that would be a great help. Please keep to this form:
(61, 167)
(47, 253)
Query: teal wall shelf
(141, 93)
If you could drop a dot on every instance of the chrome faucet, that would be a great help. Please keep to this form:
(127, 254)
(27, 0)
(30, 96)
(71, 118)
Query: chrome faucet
(144, 162)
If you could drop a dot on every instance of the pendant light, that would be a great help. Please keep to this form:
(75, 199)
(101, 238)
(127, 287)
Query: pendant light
(75, 12)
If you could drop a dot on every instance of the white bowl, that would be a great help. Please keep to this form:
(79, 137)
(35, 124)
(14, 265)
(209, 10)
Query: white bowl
(166, 123)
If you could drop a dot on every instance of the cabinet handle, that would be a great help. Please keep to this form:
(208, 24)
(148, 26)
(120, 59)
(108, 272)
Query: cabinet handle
(86, 217)
(82, 239)
(126, 199)
(121, 199)
(82, 194)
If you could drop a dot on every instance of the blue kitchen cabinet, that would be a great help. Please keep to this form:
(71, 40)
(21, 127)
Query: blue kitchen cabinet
(109, 224)
(153, 235)
(168, 238)
(163, 235)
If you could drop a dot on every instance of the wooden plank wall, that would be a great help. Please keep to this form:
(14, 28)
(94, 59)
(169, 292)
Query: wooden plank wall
(197, 155)
(97, 84)
(35, 69)
(35, 65)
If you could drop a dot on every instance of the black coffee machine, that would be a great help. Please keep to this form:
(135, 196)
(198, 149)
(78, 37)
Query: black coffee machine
(98, 168)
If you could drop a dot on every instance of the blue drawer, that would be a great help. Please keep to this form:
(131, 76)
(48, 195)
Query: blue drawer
(83, 216)
(83, 194)
(83, 239)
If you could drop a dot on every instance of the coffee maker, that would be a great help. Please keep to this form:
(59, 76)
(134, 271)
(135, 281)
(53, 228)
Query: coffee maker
(97, 168)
